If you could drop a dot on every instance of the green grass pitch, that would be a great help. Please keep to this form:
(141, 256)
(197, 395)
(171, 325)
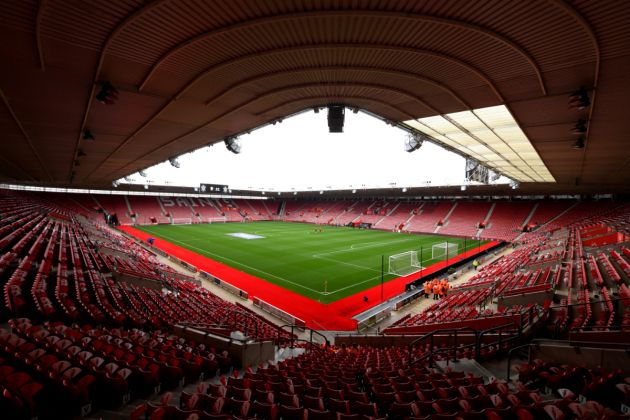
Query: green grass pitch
(325, 266)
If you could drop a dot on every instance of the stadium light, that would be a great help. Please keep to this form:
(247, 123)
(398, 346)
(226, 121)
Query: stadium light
(404, 189)
(174, 162)
(233, 144)
(579, 143)
(321, 192)
(579, 99)
(463, 188)
(580, 127)
(142, 174)
(108, 95)
(115, 184)
(354, 191)
(515, 184)
(413, 141)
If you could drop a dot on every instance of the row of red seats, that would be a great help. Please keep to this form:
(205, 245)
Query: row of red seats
(104, 366)
(607, 388)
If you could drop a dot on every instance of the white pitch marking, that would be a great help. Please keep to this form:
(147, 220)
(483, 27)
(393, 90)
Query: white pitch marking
(203, 251)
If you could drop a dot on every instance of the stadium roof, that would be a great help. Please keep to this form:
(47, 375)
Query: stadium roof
(190, 73)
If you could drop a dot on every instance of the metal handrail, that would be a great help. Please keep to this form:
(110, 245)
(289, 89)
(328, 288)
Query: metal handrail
(499, 328)
(515, 349)
(294, 337)
(430, 336)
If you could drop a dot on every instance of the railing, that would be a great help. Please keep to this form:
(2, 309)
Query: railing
(506, 333)
(293, 339)
(430, 336)
(513, 350)
(501, 329)
(606, 355)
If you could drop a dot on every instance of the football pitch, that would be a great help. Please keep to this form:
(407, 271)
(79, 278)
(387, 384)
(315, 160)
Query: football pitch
(324, 263)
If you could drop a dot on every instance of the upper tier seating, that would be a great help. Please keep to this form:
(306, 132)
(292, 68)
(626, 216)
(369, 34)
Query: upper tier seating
(464, 220)
(507, 220)
(58, 269)
(116, 204)
(428, 216)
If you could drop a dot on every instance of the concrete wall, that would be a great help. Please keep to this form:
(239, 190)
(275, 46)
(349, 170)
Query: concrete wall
(242, 354)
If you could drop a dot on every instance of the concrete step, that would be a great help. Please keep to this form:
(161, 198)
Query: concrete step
(465, 365)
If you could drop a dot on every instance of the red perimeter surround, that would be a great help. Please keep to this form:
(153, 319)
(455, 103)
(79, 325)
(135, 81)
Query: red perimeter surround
(336, 316)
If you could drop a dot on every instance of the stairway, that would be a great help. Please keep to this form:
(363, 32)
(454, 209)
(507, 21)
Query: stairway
(281, 206)
(531, 214)
(129, 209)
(170, 218)
(485, 220)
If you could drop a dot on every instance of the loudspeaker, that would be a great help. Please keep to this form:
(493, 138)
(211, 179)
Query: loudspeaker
(336, 117)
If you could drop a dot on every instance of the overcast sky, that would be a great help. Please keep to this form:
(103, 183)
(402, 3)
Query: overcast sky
(300, 154)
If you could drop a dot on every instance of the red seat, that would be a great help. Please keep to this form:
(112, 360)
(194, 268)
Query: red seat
(291, 413)
(265, 411)
(365, 409)
(357, 396)
(316, 403)
(238, 408)
(312, 414)
(339, 406)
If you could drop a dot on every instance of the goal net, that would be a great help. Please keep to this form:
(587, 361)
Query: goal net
(216, 219)
(182, 221)
(404, 263)
(443, 251)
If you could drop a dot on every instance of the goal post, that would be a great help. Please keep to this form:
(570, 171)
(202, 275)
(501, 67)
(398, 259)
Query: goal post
(216, 219)
(182, 220)
(404, 263)
(444, 251)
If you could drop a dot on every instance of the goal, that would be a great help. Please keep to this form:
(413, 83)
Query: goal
(443, 251)
(182, 221)
(216, 219)
(404, 263)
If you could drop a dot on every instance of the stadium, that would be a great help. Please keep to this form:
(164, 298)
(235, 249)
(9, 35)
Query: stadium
(140, 283)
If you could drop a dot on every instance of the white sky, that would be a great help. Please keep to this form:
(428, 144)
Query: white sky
(300, 154)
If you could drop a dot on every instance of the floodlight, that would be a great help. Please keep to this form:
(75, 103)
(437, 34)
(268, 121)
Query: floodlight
(579, 143)
(580, 127)
(174, 162)
(413, 141)
(233, 144)
(579, 99)
(108, 94)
